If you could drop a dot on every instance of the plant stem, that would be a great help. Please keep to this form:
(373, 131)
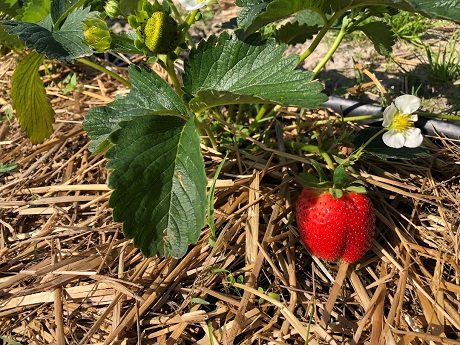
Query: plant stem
(440, 116)
(313, 149)
(363, 146)
(341, 119)
(359, 118)
(174, 9)
(333, 48)
(104, 70)
(187, 24)
(179, 17)
(260, 114)
(230, 113)
(209, 136)
(319, 37)
(169, 67)
(239, 114)
(66, 13)
(315, 42)
(350, 160)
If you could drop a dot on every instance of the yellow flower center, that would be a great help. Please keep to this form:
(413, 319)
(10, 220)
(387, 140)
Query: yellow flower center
(401, 122)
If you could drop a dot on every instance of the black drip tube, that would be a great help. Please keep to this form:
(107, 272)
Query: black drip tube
(347, 107)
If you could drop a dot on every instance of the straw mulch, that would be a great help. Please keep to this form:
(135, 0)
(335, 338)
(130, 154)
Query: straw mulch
(67, 275)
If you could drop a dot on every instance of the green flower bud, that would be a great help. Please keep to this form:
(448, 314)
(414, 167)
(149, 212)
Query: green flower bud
(112, 8)
(161, 33)
(97, 34)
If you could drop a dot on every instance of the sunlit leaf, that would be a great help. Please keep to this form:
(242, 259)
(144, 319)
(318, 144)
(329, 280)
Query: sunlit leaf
(159, 183)
(65, 44)
(33, 109)
(149, 94)
(229, 70)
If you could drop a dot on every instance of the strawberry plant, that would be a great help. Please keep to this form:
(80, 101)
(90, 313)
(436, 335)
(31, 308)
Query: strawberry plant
(151, 137)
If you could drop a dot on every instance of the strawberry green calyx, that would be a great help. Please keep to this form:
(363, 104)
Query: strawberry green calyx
(339, 183)
(335, 228)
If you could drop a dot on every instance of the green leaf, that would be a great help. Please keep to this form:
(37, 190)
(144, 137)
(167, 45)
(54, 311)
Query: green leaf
(128, 7)
(65, 44)
(36, 37)
(35, 11)
(33, 109)
(121, 45)
(381, 36)
(293, 33)
(7, 167)
(149, 94)
(217, 269)
(159, 183)
(10, 341)
(309, 18)
(261, 299)
(10, 41)
(378, 148)
(336, 193)
(280, 9)
(356, 189)
(228, 70)
(9, 7)
(440, 9)
(197, 300)
(210, 210)
(251, 9)
(60, 8)
(275, 296)
(309, 180)
(340, 177)
(71, 33)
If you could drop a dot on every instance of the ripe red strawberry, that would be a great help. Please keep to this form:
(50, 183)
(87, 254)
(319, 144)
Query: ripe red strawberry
(334, 229)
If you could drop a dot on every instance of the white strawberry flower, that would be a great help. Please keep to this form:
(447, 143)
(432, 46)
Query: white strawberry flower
(191, 5)
(399, 120)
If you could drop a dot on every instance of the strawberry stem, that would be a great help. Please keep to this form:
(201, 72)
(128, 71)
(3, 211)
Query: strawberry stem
(355, 155)
(363, 146)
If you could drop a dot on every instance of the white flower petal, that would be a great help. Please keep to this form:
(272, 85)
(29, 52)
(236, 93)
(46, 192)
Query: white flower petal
(191, 5)
(393, 139)
(389, 114)
(414, 137)
(414, 118)
(407, 104)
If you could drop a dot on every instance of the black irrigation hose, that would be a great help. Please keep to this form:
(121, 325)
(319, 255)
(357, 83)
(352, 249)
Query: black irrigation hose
(348, 107)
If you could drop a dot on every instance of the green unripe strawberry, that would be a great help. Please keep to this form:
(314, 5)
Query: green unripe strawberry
(335, 228)
(160, 33)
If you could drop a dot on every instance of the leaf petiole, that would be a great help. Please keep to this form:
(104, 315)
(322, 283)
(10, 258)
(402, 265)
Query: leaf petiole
(104, 70)
(333, 48)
